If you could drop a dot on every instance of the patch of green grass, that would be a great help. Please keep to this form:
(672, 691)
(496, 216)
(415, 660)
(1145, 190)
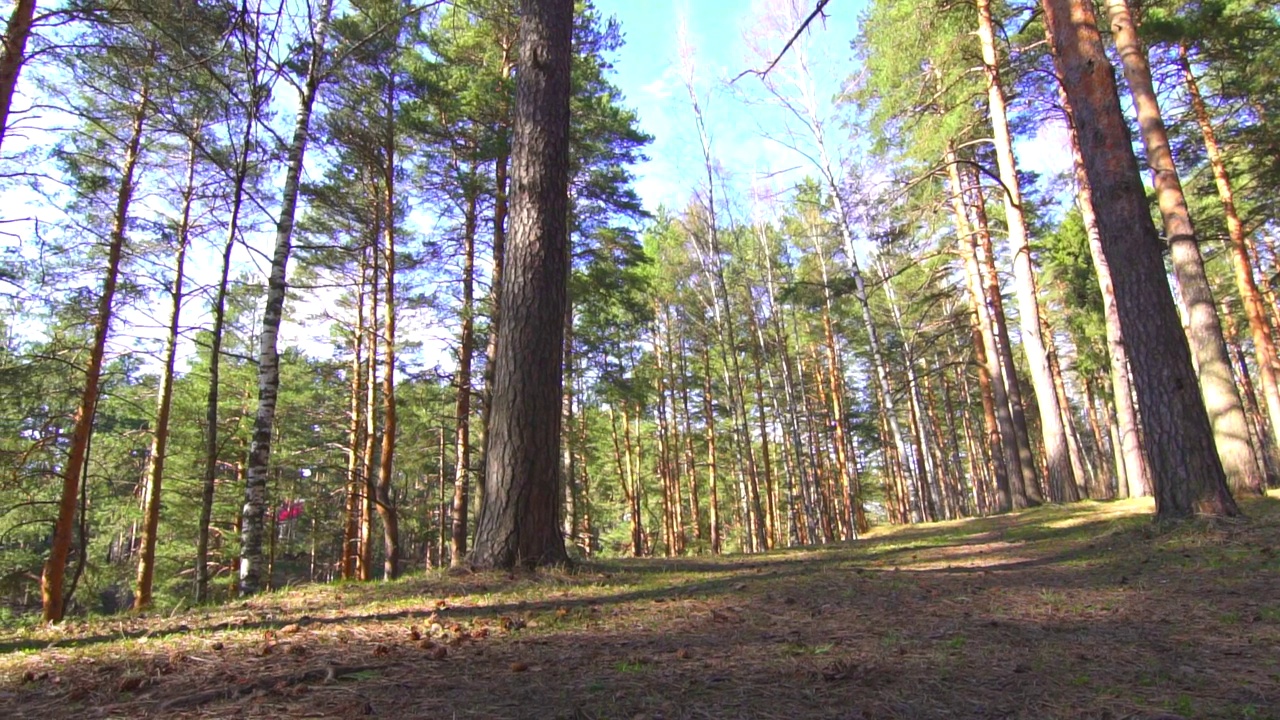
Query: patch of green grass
(632, 666)
(1183, 705)
(891, 639)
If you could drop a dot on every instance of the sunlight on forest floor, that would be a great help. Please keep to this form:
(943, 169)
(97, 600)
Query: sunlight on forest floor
(1081, 611)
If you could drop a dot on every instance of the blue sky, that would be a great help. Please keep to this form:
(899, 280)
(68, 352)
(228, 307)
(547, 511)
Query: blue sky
(649, 73)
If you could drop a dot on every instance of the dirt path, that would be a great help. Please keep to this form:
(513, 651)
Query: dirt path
(1086, 611)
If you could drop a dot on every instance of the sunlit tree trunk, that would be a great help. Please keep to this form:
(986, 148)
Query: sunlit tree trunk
(164, 402)
(369, 472)
(51, 580)
(1178, 436)
(1028, 493)
(386, 458)
(462, 387)
(12, 55)
(1000, 428)
(519, 515)
(1204, 330)
(239, 179)
(255, 488)
(709, 410)
(1264, 347)
(1057, 451)
(1129, 451)
(355, 447)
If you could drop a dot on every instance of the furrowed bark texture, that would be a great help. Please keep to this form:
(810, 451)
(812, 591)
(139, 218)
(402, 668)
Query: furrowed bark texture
(1189, 479)
(518, 523)
(1204, 329)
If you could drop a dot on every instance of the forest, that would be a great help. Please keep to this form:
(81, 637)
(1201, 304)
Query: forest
(255, 256)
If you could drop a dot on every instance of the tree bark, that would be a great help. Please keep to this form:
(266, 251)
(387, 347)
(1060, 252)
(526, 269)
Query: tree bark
(368, 484)
(255, 488)
(52, 600)
(386, 458)
(1264, 347)
(1026, 493)
(462, 383)
(1188, 474)
(1130, 449)
(240, 176)
(1002, 437)
(1057, 451)
(1204, 329)
(519, 522)
(355, 447)
(164, 402)
(12, 55)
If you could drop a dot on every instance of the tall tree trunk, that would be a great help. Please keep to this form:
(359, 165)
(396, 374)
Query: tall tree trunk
(240, 176)
(835, 373)
(1028, 493)
(1188, 474)
(501, 200)
(1003, 438)
(51, 595)
(12, 54)
(355, 447)
(568, 469)
(766, 465)
(386, 458)
(255, 488)
(695, 510)
(164, 402)
(1057, 452)
(1204, 329)
(1081, 468)
(1130, 450)
(368, 486)
(709, 410)
(519, 522)
(462, 383)
(1264, 347)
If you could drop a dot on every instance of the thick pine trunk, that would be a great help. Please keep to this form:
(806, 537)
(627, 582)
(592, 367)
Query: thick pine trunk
(1204, 329)
(51, 590)
(164, 403)
(1136, 470)
(1264, 347)
(12, 54)
(1188, 475)
(255, 487)
(519, 523)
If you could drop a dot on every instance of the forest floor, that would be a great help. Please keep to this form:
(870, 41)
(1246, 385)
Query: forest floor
(1082, 611)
